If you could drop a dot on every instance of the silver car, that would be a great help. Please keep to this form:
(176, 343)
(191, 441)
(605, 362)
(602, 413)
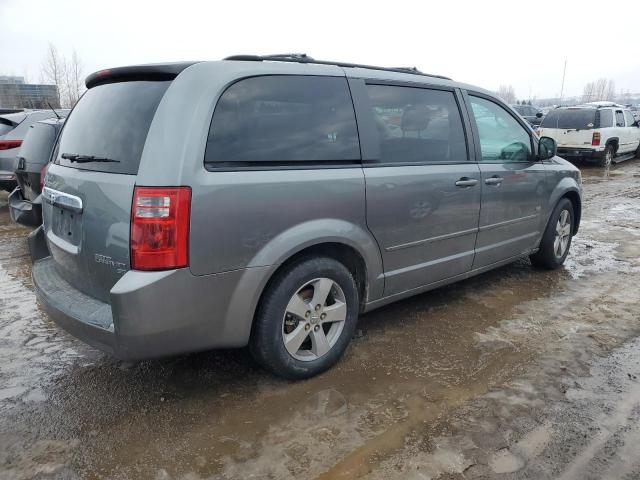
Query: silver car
(268, 201)
(13, 128)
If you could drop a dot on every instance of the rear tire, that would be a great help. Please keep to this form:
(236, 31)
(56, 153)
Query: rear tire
(556, 240)
(306, 318)
(608, 156)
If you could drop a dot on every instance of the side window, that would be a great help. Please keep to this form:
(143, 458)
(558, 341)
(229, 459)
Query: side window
(284, 119)
(606, 118)
(417, 125)
(619, 118)
(502, 138)
(629, 118)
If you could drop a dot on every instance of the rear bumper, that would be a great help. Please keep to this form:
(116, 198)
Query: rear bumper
(82, 316)
(23, 211)
(7, 180)
(155, 314)
(585, 153)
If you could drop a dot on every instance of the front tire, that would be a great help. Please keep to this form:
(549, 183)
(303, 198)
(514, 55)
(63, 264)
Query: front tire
(556, 240)
(306, 318)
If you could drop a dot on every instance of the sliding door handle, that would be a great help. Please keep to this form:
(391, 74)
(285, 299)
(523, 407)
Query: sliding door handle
(495, 180)
(465, 182)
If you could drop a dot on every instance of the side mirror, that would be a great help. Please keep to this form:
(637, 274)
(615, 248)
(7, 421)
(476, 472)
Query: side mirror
(539, 115)
(547, 148)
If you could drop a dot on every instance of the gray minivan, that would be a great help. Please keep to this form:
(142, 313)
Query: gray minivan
(268, 201)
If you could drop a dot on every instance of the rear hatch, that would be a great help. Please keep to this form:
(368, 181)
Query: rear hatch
(34, 154)
(89, 187)
(570, 127)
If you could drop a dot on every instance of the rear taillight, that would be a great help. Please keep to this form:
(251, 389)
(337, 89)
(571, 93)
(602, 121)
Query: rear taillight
(160, 228)
(9, 144)
(595, 139)
(43, 173)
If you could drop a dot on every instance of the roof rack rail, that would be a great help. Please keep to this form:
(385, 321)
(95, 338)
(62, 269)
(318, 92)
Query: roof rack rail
(304, 58)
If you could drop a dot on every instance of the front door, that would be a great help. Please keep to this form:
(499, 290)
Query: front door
(514, 192)
(423, 194)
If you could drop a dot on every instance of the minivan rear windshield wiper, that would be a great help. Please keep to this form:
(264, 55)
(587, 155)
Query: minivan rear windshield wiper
(75, 157)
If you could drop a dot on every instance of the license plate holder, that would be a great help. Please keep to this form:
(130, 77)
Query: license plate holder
(64, 225)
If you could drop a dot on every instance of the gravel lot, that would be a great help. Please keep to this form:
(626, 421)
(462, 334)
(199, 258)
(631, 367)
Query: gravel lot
(517, 373)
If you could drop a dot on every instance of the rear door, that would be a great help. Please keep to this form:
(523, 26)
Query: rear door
(570, 127)
(423, 193)
(87, 206)
(514, 193)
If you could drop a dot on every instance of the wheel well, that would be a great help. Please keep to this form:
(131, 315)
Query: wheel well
(574, 198)
(614, 142)
(344, 254)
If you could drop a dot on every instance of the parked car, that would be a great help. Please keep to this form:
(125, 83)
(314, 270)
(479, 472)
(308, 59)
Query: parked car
(268, 201)
(25, 202)
(530, 113)
(601, 132)
(13, 128)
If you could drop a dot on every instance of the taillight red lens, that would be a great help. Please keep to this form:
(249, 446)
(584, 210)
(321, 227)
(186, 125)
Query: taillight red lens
(43, 173)
(160, 228)
(595, 139)
(9, 144)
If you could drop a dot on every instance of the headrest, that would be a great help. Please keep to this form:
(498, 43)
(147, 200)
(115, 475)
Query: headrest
(415, 118)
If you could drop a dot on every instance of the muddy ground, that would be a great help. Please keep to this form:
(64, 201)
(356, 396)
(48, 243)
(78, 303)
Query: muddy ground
(517, 373)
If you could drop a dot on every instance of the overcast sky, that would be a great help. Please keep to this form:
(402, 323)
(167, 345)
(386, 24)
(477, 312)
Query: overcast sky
(486, 43)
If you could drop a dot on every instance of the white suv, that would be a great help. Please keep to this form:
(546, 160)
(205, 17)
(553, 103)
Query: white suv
(599, 131)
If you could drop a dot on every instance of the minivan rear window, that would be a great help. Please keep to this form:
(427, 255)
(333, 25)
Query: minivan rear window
(579, 119)
(284, 119)
(111, 121)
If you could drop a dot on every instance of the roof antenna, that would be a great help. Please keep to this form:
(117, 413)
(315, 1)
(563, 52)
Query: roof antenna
(54, 111)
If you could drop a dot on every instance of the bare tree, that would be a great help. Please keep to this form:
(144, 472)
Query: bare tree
(65, 74)
(588, 92)
(74, 85)
(507, 93)
(610, 93)
(601, 89)
(53, 70)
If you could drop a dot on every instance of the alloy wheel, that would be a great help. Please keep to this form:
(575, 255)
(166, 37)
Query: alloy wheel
(314, 319)
(563, 234)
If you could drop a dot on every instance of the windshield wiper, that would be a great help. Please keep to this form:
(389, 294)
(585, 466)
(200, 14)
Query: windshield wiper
(75, 157)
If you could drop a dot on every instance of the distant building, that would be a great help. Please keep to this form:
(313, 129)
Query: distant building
(15, 93)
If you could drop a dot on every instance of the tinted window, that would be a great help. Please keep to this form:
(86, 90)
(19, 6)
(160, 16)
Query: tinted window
(629, 118)
(284, 119)
(502, 138)
(5, 127)
(619, 118)
(38, 143)
(577, 118)
(606, 118)
(111, 121)
(417, 125)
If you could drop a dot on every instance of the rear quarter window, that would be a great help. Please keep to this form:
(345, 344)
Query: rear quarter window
(111, 121)
(283, 119)
(606, 119)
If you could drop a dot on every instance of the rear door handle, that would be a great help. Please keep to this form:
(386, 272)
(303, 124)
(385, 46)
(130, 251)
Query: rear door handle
(466, 182)
(495, 180)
